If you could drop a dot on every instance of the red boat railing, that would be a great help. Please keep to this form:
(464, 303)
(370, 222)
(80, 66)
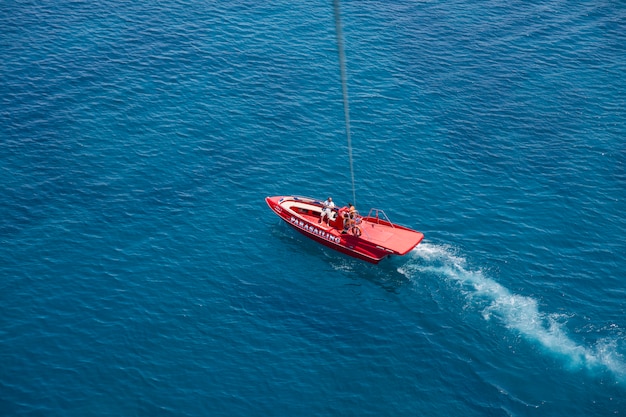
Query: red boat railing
(375, 213)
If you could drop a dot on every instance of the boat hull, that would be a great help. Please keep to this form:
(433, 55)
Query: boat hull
(378, 240)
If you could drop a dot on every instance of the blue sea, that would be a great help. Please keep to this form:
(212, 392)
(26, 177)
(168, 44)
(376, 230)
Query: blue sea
(142, 274)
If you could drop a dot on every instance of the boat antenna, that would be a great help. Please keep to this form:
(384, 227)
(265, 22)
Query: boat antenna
(344, 89)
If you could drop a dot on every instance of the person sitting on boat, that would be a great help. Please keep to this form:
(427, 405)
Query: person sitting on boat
(346, 222)
(327, 207)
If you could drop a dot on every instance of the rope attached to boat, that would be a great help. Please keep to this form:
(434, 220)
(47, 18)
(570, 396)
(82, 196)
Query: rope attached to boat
(344, 89)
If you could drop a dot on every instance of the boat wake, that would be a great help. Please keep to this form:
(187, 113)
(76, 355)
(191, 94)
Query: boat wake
(516, 312)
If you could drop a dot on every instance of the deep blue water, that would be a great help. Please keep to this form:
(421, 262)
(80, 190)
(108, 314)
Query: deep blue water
(141, 272)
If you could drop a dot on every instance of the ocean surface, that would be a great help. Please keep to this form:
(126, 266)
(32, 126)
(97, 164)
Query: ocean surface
(142, 274)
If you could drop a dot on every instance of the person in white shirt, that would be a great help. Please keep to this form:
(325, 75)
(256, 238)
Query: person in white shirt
(328, 206)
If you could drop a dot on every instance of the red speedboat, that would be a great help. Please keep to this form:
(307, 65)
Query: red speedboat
(370, 238)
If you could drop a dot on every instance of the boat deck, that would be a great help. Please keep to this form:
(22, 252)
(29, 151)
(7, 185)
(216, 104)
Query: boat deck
(395, 238)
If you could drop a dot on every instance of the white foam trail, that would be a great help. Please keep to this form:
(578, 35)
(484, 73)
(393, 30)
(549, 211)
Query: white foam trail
(514, 311)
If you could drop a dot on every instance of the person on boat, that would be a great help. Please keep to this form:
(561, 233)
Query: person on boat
(351, 219)
(327, 207)
(346, 222)
(355, 220)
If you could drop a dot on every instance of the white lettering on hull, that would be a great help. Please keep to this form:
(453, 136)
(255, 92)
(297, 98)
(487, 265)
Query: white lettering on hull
(314, 230)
